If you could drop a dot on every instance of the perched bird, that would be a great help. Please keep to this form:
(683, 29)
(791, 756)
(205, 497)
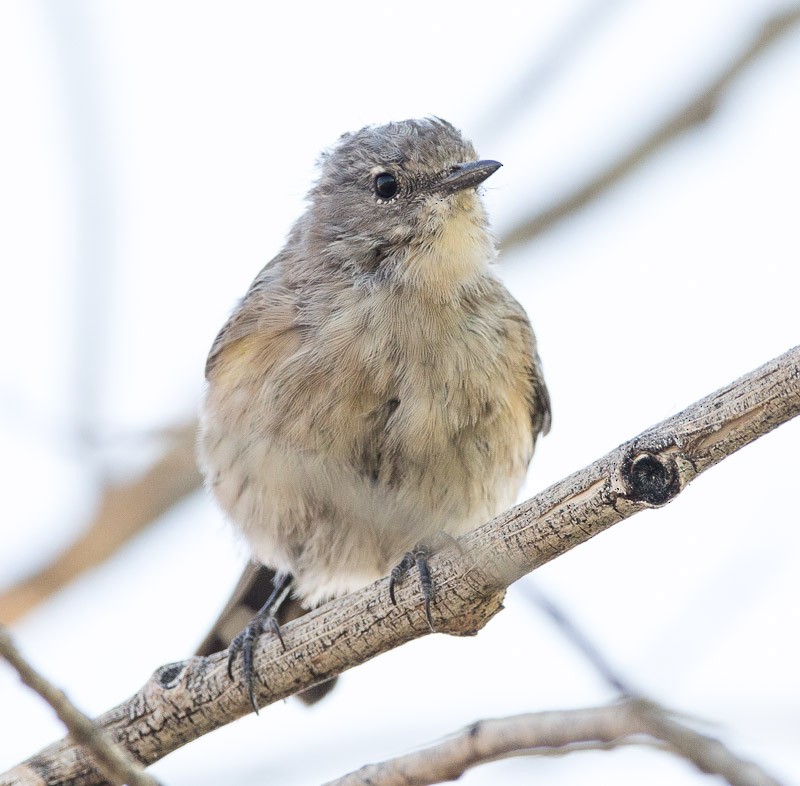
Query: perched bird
(376, 385)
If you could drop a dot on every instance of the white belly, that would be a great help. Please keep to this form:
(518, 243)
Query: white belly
(334, 529)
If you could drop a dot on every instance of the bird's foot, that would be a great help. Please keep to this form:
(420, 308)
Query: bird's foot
(419, 556)
(264, 621)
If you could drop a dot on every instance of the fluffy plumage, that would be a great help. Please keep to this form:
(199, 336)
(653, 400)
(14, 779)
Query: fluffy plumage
(377, 383)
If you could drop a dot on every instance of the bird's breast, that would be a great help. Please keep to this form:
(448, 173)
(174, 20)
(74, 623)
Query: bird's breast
(409, 394)
(384, 423)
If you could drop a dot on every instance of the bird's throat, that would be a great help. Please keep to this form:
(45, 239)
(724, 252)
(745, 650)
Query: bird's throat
(450, 259)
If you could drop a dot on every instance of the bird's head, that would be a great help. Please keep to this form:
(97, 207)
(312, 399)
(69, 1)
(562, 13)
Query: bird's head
(399, 202)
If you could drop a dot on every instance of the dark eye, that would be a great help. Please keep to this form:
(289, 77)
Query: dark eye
(385, 185)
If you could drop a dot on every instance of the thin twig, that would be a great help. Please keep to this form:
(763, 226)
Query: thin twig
(692, 114)
(578, 639)
(706, 753)
(545, 733)
(115, 763)
(547, 65)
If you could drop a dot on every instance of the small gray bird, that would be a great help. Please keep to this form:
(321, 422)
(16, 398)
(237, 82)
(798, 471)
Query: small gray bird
(377, 384)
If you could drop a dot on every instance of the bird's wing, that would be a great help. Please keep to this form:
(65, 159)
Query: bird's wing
(270, 313)
(541, 412)
(538, 396)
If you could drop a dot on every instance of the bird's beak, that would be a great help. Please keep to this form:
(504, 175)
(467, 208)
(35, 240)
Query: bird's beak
(464, 176)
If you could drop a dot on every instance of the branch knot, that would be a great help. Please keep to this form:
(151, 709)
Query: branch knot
(650, 478)
(169, 676)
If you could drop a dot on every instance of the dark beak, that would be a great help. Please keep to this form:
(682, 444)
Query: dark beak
(465, 176)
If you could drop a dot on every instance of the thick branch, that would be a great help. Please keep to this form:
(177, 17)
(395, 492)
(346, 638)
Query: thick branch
(692, 114)
(545, 733)
(185, 700)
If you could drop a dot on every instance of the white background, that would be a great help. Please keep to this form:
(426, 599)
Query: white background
(152, 158)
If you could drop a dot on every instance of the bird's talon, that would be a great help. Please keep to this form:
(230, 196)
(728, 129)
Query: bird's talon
(276, 629)
(398, 573)
(419, 557)
(245, 641)
(428, 614)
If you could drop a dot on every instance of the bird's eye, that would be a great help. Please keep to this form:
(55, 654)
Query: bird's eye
(385, 185)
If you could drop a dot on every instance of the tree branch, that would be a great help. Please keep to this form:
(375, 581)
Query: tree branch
(114, 763)
(185, 700)
(124, 510)
(501, 113)
(693, 113)
(545, 733)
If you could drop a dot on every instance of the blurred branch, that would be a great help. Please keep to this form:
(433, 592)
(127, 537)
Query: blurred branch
(115, 764)
(124, 510)
(79, 66)
(183, 701)
(692, 114)
(578, 639)
(546, 66)
(707, 754)
(545, 733)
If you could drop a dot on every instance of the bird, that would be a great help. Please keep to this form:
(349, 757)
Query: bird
(377, 385)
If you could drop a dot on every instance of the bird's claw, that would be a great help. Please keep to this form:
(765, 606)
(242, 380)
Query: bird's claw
(418, 556)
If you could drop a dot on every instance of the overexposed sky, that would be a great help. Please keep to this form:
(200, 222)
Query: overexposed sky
(153, 157)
